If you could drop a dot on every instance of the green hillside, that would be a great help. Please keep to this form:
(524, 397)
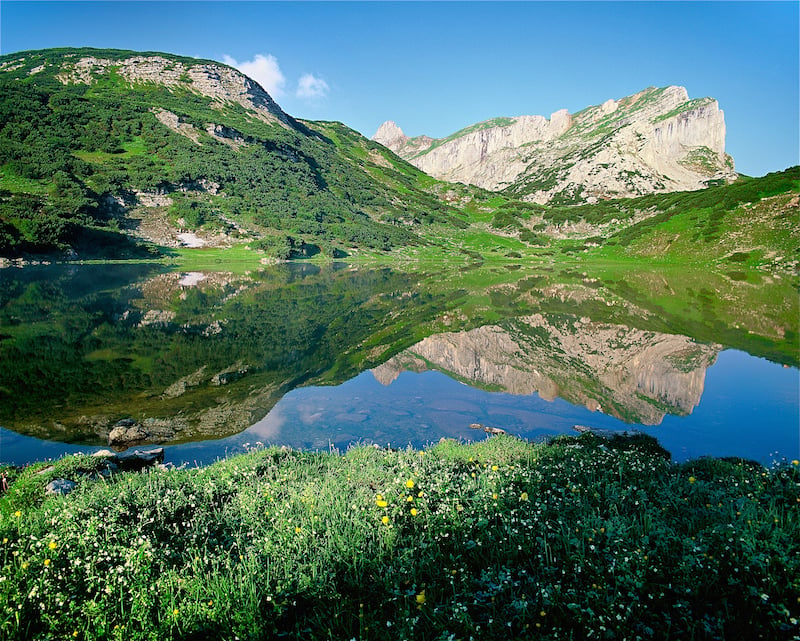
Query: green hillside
(73, 154)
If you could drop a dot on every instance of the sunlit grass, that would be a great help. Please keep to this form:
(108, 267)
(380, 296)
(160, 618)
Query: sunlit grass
(502, 539)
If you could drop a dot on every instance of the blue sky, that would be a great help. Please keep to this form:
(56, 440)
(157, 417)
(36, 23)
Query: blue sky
(436, 67)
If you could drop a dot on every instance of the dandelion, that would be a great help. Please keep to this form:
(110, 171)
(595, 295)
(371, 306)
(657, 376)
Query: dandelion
(409, 499)
(494, 468)
(298, 529)
(420, 494)
(52, 545)
(175, 612)
(523, 496)
(385, 520)
(410, 483)
(210, 603)
(692, 479)
(25, 565)
(18, 514)
(421, 598)
(413, 511)
(46, 562)
(795, 462)
(382, 503)
(494, 496)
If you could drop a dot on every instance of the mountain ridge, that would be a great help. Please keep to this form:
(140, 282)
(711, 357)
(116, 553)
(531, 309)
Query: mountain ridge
(657, 140)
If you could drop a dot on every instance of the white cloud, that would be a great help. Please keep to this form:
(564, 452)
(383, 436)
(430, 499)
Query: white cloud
(311, 87)
(264, 70)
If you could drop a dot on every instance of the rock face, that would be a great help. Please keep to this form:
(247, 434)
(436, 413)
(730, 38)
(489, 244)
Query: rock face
(635, 375)
(215, 80)
(657, 140)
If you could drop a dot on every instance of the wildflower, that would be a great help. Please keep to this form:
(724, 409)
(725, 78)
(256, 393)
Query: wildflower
(494, 468)
(409, 499)
(385, 520)
(25, 565)
(175, 612)
(52, 545)
(210, 603)
(692, 479)
(420, 494)
(410, 483)
(46, 562)
(413, 511)
(494, 496)
(795, 462)
(523, 496)
(298, 529)
(18, 514)
(542, 613)
(421, 598)
(382, 503)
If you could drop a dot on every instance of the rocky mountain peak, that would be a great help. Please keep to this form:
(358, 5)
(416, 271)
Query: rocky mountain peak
(215, 80)
(390, 135)
(656, 140)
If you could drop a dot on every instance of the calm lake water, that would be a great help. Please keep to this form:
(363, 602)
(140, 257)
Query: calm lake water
(315, 357)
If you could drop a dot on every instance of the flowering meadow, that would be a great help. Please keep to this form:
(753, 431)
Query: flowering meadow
(578, 538)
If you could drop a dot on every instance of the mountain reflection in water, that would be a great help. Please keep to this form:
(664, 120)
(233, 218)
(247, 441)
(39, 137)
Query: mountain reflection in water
(197, 358)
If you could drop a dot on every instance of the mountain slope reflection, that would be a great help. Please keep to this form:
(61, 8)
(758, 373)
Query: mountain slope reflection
(637, 376)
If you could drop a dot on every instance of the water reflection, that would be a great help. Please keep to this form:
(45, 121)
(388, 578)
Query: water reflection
(201, 356)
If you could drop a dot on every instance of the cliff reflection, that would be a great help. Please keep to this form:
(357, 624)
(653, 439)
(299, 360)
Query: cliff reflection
(637, 376)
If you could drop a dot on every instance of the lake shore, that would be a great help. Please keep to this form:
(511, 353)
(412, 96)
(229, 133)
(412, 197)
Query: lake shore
(580, 537)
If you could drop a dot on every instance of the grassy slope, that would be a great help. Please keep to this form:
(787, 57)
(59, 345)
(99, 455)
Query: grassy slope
(502, 539)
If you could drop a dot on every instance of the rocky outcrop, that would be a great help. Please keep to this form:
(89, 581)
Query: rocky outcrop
(635, 375)
(217, 81)
(654, 141)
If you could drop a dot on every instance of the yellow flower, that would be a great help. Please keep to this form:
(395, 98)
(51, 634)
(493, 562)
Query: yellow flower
(692, 479)
(420, 494)
(494, 496)
(523, 496)
(298, 529)
(75, 633)
(494, 468)
(52, 545)
(378, 497)
(18, 514)
(409, 499)
(410, 483)
(413, 511)
(795, 462)
(381, 503)
(46, 562)
(210, 603)
(25, 565)
(421, 597)
(175, 612)
(385, 520)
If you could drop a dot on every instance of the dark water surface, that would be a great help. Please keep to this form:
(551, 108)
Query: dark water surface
(316, 357)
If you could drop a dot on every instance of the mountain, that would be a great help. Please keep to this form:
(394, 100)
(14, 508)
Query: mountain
(123, 153)
(657, 140)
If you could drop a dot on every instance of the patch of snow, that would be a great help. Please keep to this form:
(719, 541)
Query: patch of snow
(189, 239)
(191, 279)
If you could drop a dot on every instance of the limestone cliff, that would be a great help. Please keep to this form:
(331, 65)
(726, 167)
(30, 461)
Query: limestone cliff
(657, 140)
(635, 375)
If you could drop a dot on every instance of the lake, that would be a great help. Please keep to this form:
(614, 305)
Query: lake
(212, 363)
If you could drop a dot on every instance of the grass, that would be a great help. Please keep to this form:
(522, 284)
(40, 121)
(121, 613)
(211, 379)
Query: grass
(575, 539)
